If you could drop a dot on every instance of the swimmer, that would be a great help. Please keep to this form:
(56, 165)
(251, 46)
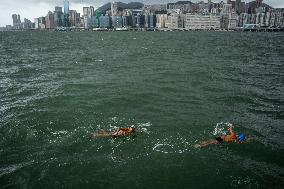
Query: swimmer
(231, 137)
(118, 132)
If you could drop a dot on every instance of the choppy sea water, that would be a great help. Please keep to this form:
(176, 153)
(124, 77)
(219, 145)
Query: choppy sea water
(56, 89)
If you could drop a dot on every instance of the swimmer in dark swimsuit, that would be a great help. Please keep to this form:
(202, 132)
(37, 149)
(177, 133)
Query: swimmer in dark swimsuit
(117, 133)
(231, 137)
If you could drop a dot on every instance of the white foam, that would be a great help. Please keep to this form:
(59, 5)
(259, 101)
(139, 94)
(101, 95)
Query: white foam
(221, 128)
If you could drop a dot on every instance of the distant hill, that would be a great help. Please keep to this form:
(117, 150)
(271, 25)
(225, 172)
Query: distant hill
(181, 3)
(253, 4)
(121, 6)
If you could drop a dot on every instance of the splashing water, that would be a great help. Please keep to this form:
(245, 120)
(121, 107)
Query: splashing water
(221, 128)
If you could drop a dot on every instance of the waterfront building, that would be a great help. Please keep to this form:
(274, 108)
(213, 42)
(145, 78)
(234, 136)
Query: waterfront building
(105, 21)
(150, 20)
(227, 9)
(27, 24)
(66, 7)
(202, 22)
(78, 20)
(73, 18)
(125, 21)
(49, 20)
(89, 11)
(16, 21)
(82, 22)
(233, 21)
(140, 20)
(161, 20)
(36, 23)
(114, 13)
(114, 9)
(66, 14)
(175, 21)
(58, 17)
(9, 27)
(87, 22)
(232, 3)
(117, 21)
(40, 23)
(136, 18)
(238, 7)
(88, 17)
(228, 17)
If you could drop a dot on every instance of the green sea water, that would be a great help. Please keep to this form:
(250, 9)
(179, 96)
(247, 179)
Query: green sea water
(57, 88)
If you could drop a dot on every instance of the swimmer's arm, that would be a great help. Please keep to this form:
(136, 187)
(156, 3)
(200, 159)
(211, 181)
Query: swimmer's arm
(206, 143)
(231, 129)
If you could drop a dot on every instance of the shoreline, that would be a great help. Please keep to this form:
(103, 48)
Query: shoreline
(146, 30)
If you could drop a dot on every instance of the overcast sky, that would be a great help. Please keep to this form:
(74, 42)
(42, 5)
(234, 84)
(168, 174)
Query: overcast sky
(35, 8)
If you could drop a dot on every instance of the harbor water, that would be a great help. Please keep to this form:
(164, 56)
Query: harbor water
(176, 88)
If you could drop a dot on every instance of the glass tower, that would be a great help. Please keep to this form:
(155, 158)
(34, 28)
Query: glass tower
(66, 7)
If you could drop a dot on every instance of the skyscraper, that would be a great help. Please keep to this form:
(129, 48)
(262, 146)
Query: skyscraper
(58, 17)
(114, 9)
(88, 11)
(238, 6)
(49, 19)
(73, 18)
(66, 14)
(15, 19)
(66, 7)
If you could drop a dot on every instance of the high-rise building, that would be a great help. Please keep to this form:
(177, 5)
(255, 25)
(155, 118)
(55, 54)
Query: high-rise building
(49, 19)
(202, 22)
(105, 21)
(161, 20)
(58, 9)
(19, 19)
(15, 19)
(151, 21)
(114, 9)
(88, 11)
(66, 7)
(40, 23)
(58, 17)
(227, 8)
(117, 22)
(73, 18)
(66, 14)
(27, 24)
(238, 7)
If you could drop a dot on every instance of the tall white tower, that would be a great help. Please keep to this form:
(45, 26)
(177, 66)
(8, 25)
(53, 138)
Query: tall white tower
(114, 8)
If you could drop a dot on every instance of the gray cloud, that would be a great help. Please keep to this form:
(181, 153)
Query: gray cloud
(35, 8)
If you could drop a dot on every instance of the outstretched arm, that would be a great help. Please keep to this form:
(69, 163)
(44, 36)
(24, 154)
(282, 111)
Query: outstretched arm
(102, 133)
(206, 143)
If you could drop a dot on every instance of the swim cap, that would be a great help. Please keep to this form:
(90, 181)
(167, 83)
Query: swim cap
(242, 137)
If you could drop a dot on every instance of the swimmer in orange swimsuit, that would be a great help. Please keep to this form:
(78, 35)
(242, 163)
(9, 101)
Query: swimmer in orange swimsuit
(117, 133)
(231, 137)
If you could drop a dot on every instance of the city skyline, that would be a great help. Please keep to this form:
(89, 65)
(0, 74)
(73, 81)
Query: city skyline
(31, 9)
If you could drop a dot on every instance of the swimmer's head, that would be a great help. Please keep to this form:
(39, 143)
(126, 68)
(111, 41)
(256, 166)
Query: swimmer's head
(242, 138)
